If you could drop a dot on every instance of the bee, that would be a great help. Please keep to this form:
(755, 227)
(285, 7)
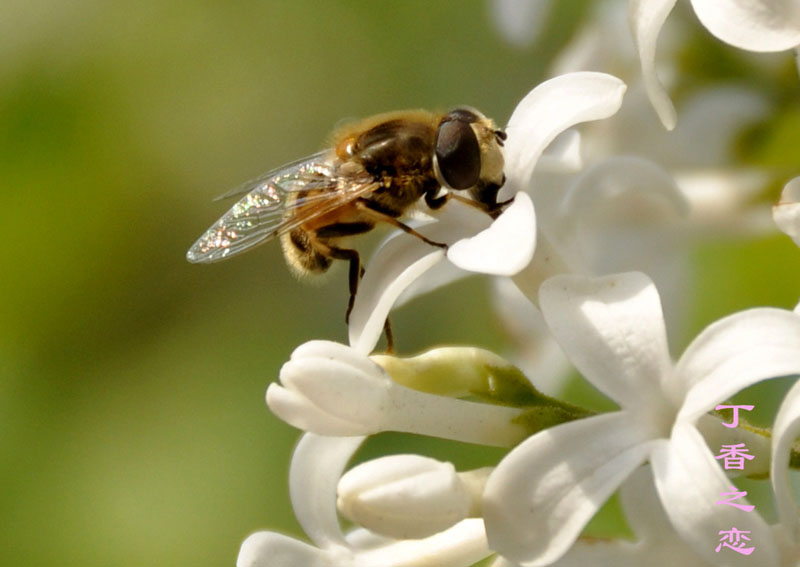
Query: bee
(375, 171)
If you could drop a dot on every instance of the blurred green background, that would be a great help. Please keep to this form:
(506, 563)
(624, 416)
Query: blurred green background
(133, 429)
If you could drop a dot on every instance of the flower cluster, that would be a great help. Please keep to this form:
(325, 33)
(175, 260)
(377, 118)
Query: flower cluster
(589, 265)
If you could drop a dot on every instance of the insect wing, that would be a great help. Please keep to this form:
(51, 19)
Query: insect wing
(262, 212)
(285, 169)
(278, 203)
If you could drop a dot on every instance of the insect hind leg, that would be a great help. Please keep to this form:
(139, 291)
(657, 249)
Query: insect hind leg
(354, 273)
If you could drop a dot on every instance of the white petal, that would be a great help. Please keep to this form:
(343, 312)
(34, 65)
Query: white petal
(456, 221)
(411, 411)
(329, 396)
(784, 433)
(690, 481)
(609, 201)
(657, 544)
(755, 25)
(339, 388)
(711, 118)
(330, 389)
(536, 353)
(548, 260)
(548, 110)
(720, 197)
(563, 155)
(317, 465)
(646, 18)
(543, 493)
(269, 549)
(459, 546)
(399, 262)
(736, 352)
(786, 213)
(620, 179)
(504, 248)
(330, 350)
(440, 275)
(404, 496)
(381, 286)
(640, 502)
(710, 121)
(298, 411)
(612, 330)
(519, 22)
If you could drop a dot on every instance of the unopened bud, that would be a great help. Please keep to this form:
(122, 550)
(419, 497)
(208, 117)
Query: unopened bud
(404, 496)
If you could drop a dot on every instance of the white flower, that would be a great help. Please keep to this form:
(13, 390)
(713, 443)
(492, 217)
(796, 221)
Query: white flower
(331, 389)
(787, 212)
(698, 153)
(762, 26)
(617, 213)
(757, 26)
(317, 465)
(408, 496)
(541, 495)
(621, 212)
(505, 246)
(656, 544)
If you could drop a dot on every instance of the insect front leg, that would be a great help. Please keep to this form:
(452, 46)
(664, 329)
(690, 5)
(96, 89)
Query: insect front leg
(490, 206)
(377, 216)
(435, 202)
(486, 195)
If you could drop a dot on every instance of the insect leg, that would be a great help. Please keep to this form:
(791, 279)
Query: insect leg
(378, 216)
(493, 211)
(354, 274)
(435, 202)
(491, 207)
(387, 330)
(486, 194)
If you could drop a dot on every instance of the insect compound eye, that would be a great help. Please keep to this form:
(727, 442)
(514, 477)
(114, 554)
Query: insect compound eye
(464, 114)
(458, 154)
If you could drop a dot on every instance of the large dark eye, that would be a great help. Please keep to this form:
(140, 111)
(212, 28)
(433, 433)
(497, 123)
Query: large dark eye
(464, 114)
(458, 154)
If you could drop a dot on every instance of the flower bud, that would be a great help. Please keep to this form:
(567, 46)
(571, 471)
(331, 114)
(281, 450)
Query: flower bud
(404, 496)
(330, 389)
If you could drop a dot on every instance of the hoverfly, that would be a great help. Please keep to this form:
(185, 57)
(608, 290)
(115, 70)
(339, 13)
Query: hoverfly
(376, 170)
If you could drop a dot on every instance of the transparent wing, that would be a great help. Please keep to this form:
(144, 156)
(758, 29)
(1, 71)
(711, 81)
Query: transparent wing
(248, 186)
(276, 203)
